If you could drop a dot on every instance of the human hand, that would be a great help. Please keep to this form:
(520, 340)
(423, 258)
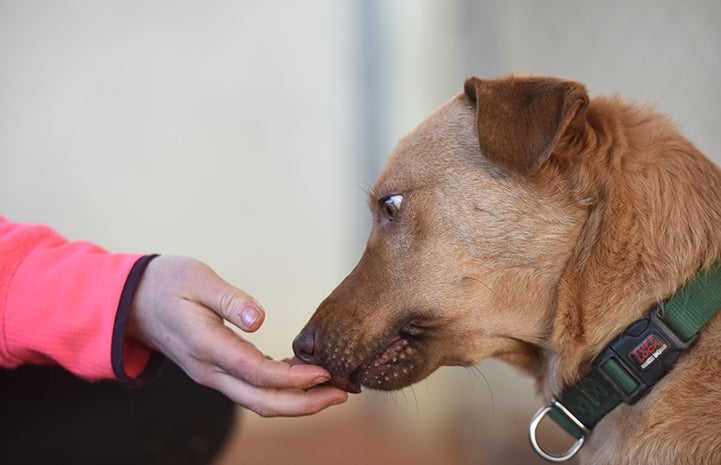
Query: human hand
(179, 308)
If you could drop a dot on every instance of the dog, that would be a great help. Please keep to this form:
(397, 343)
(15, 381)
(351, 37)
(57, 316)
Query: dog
(525, 221)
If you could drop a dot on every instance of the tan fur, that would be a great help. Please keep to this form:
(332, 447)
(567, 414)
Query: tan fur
(536, 224)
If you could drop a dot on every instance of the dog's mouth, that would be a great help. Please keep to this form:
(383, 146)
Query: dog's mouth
(394, 367)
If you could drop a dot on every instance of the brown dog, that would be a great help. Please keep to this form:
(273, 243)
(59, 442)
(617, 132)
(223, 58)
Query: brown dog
(524, 221)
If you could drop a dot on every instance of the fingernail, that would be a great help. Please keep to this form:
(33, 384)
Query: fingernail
(249, 315)
(321, 379)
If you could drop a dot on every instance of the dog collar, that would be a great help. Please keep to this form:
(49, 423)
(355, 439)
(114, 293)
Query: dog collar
(629, 366)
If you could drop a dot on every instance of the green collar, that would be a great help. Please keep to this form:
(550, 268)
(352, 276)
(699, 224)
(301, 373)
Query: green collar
(634, 361)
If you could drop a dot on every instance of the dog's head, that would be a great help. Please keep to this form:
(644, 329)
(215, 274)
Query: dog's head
(467, 243)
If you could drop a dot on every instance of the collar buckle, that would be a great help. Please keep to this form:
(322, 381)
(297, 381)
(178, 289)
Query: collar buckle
(643, 354)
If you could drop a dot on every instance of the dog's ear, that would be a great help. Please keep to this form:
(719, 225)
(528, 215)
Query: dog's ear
(519, 121)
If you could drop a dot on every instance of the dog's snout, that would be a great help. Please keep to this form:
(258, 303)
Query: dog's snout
(304, 345)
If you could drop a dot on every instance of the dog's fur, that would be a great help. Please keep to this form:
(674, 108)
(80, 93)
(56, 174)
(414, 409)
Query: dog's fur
(536, 224)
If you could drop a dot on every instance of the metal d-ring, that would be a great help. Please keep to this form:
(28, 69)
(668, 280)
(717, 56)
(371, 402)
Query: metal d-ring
(537, 420)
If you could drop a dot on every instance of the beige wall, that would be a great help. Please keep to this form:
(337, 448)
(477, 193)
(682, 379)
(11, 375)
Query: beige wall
(217, 130)
(237, 132)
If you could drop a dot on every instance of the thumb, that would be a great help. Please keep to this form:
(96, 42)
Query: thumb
(238, 307)
(229, 302)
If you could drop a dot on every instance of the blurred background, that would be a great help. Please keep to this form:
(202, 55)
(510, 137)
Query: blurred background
(247, 133)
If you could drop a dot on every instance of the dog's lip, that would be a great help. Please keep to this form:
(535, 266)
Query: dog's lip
(388, 353)
(398, 340)
(352, 383)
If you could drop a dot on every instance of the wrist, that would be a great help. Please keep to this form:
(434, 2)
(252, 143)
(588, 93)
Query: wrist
(132, 360)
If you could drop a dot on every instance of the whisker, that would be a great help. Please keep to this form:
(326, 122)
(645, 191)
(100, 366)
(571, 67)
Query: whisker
(483, 210)
(366, 188)
(480, 376)
(415, 401)
(486, 286)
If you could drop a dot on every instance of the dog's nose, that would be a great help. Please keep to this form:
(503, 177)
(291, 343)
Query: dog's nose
(304, 345)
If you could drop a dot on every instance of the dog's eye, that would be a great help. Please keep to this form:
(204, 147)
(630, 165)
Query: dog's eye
(392, 206)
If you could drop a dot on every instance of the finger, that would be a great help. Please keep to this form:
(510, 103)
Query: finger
(298, 403)
(231, 303)
(293, 361)
(264, 372)
(268, 387)
(270, 402)
(244, 361)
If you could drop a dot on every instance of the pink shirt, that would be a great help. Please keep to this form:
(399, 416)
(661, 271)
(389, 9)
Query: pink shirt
(67, 303)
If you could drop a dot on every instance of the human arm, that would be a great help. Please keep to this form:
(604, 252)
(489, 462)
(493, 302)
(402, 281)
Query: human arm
(59, 301)
(100, 315)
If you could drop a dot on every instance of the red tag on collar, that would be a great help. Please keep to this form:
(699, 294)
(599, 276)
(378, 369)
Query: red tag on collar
(648, 350)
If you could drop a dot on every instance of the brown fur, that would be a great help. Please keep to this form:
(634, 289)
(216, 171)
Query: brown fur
(536, 224)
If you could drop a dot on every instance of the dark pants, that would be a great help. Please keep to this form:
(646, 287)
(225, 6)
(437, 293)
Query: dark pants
(47, 415)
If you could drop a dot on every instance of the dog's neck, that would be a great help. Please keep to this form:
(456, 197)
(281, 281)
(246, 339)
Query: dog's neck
(648, 231)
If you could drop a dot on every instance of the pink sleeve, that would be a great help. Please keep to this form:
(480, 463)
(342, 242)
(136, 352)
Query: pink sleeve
(59, 302)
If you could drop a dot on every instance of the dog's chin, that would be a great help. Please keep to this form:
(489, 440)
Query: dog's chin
(393, 368)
